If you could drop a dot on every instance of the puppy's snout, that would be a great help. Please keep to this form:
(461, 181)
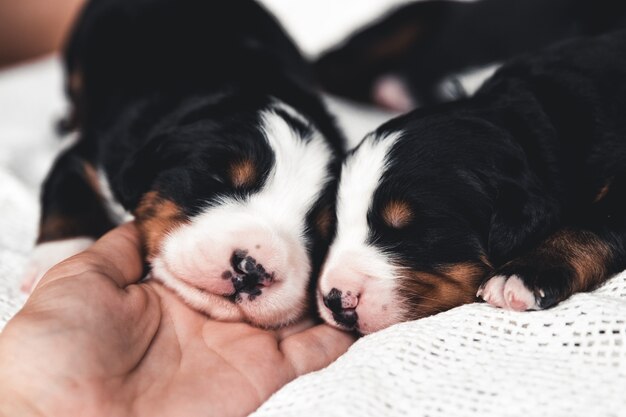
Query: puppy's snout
(343, 306)
(248, 276)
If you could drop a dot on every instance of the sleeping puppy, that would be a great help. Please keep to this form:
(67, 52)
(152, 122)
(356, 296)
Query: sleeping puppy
(438, 50)
(198, 118)
(516, 194)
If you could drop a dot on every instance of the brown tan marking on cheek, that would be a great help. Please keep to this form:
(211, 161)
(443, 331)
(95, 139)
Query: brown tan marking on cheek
(469, 273)
(243, 173)
(156, 216)
(397, 214)
(425, 293)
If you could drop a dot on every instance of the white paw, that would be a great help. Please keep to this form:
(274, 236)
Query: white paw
(508, 293)
(48, 254)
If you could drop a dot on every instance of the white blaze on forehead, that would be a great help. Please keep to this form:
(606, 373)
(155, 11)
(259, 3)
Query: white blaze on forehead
(355, 266)
(360, 178)
(299, 173)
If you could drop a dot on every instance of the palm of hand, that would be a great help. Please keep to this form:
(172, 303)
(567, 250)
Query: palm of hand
(89, 344)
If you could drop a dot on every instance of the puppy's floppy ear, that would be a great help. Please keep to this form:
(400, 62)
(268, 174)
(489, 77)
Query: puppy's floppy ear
(522, 215)
(139, 172)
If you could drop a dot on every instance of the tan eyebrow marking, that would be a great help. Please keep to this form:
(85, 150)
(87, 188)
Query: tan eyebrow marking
(243, 173)
(397, 213)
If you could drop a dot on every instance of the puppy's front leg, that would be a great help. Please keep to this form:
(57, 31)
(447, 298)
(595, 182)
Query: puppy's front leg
(569, 261)
(72, 215)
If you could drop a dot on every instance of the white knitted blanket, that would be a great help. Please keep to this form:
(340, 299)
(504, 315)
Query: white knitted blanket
(471, 361)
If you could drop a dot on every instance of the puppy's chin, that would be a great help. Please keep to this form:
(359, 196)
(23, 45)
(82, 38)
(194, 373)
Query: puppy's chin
(235, 265)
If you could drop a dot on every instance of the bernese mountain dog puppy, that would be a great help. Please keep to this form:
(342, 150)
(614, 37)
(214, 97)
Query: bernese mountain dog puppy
(201, 120)
(515, 195)
(434, 51)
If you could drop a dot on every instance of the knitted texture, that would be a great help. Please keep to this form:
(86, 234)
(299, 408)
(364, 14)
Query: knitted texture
(477, 360)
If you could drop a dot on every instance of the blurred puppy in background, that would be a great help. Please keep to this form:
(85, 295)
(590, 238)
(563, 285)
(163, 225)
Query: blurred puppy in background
(433, 51)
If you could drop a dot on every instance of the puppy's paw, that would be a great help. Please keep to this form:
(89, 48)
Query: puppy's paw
(509, 293)
(48, 254)
(523, 285)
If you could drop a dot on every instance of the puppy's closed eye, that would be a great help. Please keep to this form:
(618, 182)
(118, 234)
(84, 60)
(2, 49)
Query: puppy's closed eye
(397, 214)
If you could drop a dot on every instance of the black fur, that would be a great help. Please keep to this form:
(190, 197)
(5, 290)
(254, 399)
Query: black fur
(168, 93)
(426, 42)
(526, 158)
(70, 206)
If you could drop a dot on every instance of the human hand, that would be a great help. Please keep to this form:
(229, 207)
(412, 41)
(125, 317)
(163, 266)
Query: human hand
(91, 341)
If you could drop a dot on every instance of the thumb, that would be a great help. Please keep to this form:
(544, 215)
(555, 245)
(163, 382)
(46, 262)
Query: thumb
(315, 348)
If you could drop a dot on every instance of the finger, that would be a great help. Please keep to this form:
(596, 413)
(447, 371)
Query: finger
(315, 348)
(294, 328)
(117, 255)
(120, 253)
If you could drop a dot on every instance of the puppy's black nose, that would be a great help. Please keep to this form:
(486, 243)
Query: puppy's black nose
(333, 300)
(344, 316)
(249, 276)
